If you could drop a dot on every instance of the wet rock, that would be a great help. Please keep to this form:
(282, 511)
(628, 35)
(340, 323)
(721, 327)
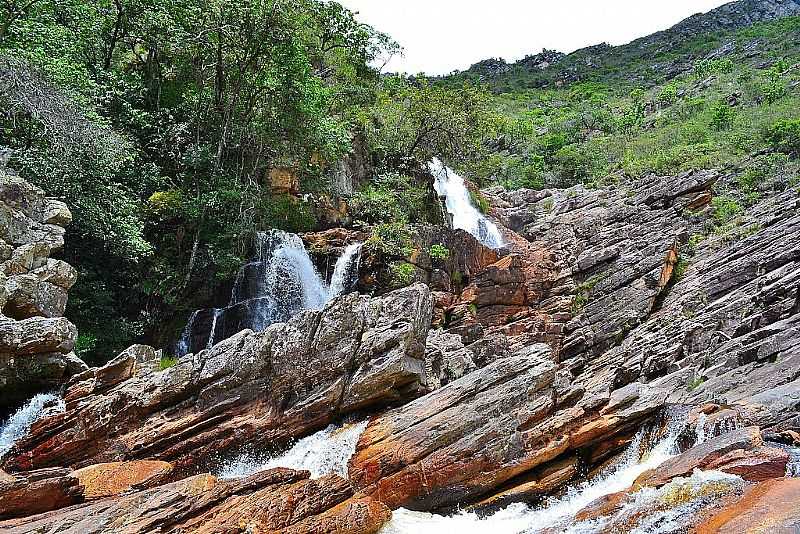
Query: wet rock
(483, 432)
(286, 382)
(279, 500)
(770, 506)
(705, 454)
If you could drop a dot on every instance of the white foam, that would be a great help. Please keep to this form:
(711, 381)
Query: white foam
(18, 425)
(326, 452)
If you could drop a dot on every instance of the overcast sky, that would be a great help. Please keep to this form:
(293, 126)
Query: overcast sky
(440, 36)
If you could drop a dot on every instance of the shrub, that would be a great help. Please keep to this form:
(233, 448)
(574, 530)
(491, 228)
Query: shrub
(392, 240)
(167, 361)
(668, 95)
(725, 209)
(85, 343)
(439, 252)
(479, 201)
(722, 116)
(784, 136)
(402, 274)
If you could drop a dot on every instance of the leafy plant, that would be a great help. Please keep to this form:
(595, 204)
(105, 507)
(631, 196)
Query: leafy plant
(392, 240)
(167, 361)
(439, 252)
(402, 274)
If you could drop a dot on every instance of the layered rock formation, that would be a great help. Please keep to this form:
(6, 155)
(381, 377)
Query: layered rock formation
(268, 387)
(36, 342)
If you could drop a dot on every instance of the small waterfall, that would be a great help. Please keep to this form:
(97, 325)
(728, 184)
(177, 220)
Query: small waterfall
(466, 217)
(278, 283)
(19, 424)
(323, 453)
(345, 274)
(556, 514)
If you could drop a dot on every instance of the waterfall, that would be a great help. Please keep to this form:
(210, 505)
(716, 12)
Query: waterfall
(326, 452)
(556, 514)
(466, 217)
(279, 282)
(20, 423)
(345, 274)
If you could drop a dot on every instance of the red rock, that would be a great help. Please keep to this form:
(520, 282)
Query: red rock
(754, 465)
(104, 480)
(37, 491)
(772, 506)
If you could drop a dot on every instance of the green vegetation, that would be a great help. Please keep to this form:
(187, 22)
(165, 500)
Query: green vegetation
(584, 292)
(391, 240)
(402, 274)
(439, 252)
(167, 361)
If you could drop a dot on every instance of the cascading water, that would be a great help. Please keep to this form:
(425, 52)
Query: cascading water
(557, 514)
(345, 274)
(323, 453)
(466, 217)
(20, 423)
(277, 284)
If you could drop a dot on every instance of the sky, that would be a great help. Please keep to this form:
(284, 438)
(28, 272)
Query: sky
(440, 36)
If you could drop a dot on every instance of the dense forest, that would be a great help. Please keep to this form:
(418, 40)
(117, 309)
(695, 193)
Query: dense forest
(159, 124)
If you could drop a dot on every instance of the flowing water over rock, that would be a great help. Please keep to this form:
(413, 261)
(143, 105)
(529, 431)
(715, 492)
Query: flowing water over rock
(20, 422)
(557, 514)
(465, 215)
(323, 453)
(280, 282)
(345, 274)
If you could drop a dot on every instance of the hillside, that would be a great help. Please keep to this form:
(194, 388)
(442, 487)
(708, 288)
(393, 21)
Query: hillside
(249, 284)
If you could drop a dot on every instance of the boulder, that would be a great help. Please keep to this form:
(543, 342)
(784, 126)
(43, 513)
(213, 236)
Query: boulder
(37, 491)
(485, 432)
(712, 454)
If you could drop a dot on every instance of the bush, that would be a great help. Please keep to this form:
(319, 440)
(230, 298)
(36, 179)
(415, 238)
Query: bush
(439, 252)
(784, 136)
(391, 240)
(85, 344)
(722, 116)
(479, 201)
(167, 361)
(725, 209)
(402, 274)
(392, 198)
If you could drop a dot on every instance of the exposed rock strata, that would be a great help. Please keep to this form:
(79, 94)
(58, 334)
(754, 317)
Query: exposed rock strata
(279, 500)
(269, 387)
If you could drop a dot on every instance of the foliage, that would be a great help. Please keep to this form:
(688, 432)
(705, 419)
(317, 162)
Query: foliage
(392, 240)
(391, 197)
(479, 201)
(402, 274)
(784, 135)
(725, 209)
(167, 361)
(439, 252)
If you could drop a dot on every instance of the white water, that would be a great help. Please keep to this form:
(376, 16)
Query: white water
(345, 274)
(279, 283)
(466, 217)
(19, 424)
(326, 452)
(556, 513)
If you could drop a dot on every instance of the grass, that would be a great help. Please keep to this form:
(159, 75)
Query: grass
(167, 361)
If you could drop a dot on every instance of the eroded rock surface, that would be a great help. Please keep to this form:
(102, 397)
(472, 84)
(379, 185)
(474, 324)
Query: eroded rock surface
(270, 387)
(279, 500)
(35, 341)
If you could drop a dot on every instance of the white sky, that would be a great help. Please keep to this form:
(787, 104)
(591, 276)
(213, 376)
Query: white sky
(440, 36)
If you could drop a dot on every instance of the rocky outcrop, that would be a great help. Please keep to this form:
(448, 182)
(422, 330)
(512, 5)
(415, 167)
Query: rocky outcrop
(35, 341)
(771, 506)
(37, 491)
(270, 387)
(279, 500)
(487, 432)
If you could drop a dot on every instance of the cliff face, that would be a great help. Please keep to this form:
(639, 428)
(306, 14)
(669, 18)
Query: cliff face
(36, 342)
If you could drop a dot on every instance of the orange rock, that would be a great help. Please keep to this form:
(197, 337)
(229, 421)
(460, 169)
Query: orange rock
(771, 506)
(105, 480)
(284, 180)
